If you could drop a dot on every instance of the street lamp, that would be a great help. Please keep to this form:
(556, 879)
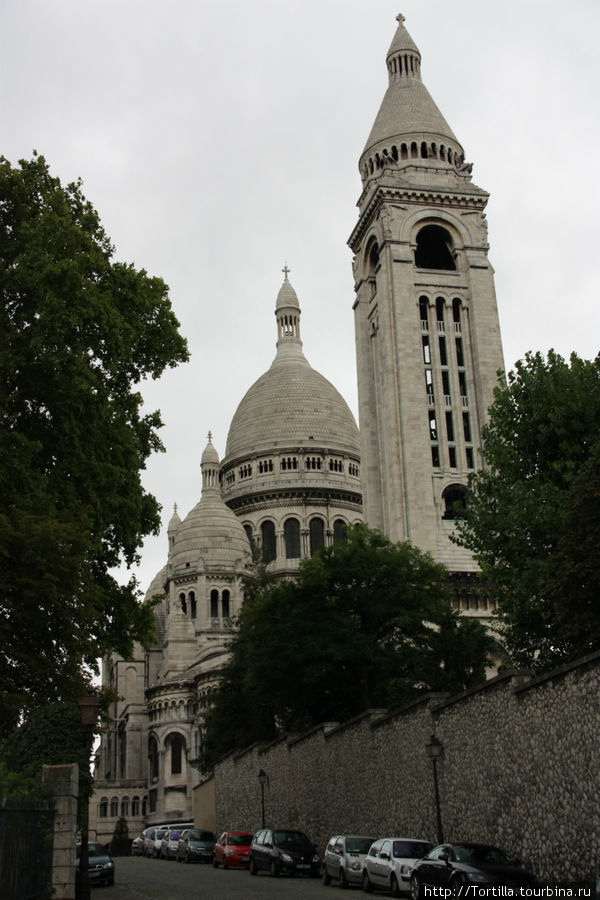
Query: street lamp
(262, 780)
(89, 708)
(434, 750)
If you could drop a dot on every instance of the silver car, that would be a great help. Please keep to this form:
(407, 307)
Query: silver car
(389, 863)
(344, 858)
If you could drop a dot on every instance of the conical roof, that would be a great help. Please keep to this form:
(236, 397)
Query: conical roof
(407, 108)
(291, 403)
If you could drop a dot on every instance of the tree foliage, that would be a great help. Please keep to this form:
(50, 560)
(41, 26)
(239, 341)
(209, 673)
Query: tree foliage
(120, 844)
(543, 425)
(366, 624)
(78, 331)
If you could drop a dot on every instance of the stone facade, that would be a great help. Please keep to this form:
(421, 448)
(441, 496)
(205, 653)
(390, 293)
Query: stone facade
(520, 769)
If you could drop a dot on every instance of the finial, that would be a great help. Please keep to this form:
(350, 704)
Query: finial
(286, 270)
(400, 18)
(210, 437)
(174, 508)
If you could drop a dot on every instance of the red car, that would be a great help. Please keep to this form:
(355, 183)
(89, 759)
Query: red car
(233, 849)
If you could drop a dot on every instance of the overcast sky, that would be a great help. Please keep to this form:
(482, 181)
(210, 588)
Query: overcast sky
(218, 139)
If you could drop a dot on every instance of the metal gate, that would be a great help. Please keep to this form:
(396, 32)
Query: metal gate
(26, 839)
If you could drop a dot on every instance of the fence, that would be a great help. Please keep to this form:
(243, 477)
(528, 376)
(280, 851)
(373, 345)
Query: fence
(26, 844)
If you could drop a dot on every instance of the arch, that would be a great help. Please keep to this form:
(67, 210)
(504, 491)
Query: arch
(214, 604)
(316, 531)
(371, 259)
(183, 604)
(125, 807)
(135, 806)
(291, 535)
(454, 497)
(192, 601)
(434, 249)
(339, 530)
(175, 744)
(103, 807)
(114, 807)
(267, 535)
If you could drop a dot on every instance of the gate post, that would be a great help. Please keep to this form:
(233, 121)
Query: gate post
(64, 781)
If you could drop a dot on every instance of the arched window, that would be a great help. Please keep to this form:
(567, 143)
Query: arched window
(125, 807)
(103, 808)
(214, 604)
(455, 498)
(177, 748)
(317, 535)
(267, 533)
(339, 530)
(183, 604)
(135, 806)
(249, 534)
(192, 599)
(153, 758)
(114, 807)
(434, 249)
(291, 534)
(225, 604)
(144, 806)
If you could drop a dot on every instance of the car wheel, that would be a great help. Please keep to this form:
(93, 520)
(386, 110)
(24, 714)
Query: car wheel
(326, 877)
(252, 867)
(343, 879)
(367, 883)
(415, 888)
(274, 869)
(394, 886)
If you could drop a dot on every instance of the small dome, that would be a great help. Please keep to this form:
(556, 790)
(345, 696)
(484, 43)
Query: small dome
(174, 521)
(210, 455)
(286, 297)
(211, 532)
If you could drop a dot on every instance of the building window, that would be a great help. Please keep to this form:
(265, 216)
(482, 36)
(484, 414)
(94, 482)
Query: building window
(267, 533)
(432, 425)
(144, 806)
(153, 758)
(192, 599)
(135, 806)
(125, 807)
(317, 535)
(249, 534)
(114, 807)
(454, 498)
(434, 249)
(183, 604)
(103, 808)
(339, 530)
(225, 604)
(177, 747)
(214, 604)
(291, 534)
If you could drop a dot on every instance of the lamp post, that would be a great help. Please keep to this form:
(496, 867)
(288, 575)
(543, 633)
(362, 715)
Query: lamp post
(434, 750)
(262, 780)
(89, 707)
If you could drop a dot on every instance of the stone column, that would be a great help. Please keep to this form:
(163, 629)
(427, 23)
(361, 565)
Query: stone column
(64, 781)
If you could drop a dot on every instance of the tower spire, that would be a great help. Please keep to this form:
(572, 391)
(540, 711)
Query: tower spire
(287, 312)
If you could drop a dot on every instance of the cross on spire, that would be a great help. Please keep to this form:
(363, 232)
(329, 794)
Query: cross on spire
(400, 18)
(286, 271)
(210, 437)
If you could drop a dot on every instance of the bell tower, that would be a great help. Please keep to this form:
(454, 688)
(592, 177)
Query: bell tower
(426, 323)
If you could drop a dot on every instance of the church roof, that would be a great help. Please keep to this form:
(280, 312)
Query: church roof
(407, 108)
(291, 403)
(211, 532)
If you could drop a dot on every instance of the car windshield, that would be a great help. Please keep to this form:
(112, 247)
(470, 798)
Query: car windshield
(293, 839)
(160, 834)
(202, 836)
(358, 844)
(96, 850)
(411, 849)
(175, 835)
(480, 853)
(239, 840)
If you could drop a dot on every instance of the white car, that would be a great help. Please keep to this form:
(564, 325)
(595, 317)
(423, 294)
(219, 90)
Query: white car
(344, 858)
(389, 863)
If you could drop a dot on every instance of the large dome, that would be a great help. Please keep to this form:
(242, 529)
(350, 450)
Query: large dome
(291, 404)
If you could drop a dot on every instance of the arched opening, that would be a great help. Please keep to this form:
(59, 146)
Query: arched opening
(434, 249)
(291, 535)
(339, 530)
(177, 748)
(267, 534)
(249, 534)
(455, 500)
(214, 604)
(225, 604)
(183, 604)
(114, 807)
(135, 806)
(153, 758)
(125, 807)
(103, 808)
(193, 610)
(317, 535)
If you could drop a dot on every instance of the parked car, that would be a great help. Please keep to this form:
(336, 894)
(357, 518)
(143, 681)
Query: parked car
(456, 865)
(168, 845)
(344, 858)
(101, 868)
(196, 844)
(233, 849)
(137, 844)
(280, 850)
(389, 863)
(153, 840)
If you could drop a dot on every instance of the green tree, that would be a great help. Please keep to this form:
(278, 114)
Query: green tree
(542, 426)
(120, 844)
(359, 628)
(78, 332)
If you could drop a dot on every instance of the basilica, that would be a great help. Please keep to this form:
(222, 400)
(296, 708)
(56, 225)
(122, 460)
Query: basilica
(296, 471)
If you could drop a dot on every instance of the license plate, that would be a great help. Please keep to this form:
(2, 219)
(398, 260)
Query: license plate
(302, 866)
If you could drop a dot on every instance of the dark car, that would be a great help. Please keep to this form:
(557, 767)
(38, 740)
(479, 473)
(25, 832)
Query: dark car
(233, 849)
(196, 845)
(101, 868)
(455, 866)
(281, 850)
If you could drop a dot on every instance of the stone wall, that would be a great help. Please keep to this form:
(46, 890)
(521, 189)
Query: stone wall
(520, 768)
